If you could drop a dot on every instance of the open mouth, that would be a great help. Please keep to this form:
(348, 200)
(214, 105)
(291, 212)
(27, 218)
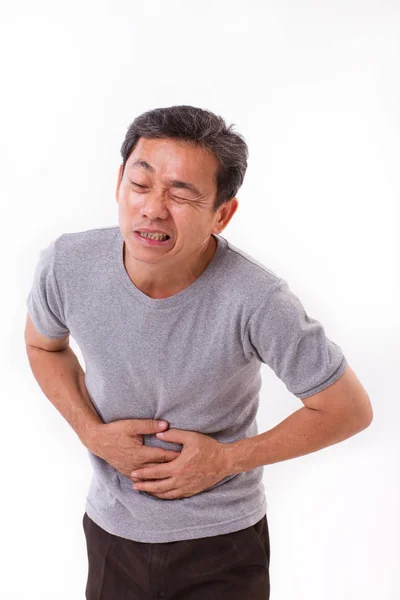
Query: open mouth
(152, 240)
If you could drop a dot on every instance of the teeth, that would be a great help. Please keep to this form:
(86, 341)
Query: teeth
(153, 236)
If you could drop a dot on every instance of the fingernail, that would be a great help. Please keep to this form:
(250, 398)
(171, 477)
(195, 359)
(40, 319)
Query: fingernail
(162, 423)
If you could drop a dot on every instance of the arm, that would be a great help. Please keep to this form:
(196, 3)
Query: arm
(62, 379)
(60, 376)
(330, 416)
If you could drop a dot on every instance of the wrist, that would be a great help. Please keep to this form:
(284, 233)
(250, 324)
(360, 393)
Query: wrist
(243, 455)
(91, 437)
(230, 459)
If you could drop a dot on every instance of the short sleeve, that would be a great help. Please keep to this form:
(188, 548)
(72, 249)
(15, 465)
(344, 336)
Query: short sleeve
(294, 344)
(44, 302)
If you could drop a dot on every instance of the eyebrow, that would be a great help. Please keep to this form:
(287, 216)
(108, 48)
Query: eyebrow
(173, 182)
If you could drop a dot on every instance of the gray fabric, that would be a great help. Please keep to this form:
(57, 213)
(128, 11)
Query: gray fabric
(193, 359)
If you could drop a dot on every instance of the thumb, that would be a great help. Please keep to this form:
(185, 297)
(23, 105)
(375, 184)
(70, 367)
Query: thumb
(175, 435)
(149, 425)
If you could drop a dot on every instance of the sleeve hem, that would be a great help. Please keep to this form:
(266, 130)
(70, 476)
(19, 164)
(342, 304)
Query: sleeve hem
(328, 382)
(42, 332)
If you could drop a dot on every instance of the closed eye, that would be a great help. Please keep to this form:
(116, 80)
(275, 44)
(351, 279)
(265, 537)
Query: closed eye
(143, 186)
(138, 184)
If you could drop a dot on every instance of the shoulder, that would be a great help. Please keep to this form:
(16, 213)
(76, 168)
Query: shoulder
(84, 243)
(80, 249)
(75, 257)
(250, 276)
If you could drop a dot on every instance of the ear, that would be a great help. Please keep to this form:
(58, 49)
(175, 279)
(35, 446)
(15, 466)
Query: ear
(118, 182)
(225, 214)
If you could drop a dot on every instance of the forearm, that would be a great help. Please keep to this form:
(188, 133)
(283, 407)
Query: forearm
(61, 378)
(303, 432)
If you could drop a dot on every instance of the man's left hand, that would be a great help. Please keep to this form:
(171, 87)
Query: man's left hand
(201, 464)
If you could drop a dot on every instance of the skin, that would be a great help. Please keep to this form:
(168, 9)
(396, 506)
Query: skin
(186, 216)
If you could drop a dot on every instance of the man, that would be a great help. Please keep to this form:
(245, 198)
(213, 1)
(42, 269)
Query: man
(173, 322)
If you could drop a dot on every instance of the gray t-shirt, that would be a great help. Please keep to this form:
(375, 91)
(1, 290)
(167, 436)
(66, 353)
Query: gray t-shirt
(193, 359)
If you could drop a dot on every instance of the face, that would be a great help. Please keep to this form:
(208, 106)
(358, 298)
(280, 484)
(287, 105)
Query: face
(173, 193)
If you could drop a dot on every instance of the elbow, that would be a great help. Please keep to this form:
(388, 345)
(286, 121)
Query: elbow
(354, 420)
(369, 417)
(368, 412)
(364, 417)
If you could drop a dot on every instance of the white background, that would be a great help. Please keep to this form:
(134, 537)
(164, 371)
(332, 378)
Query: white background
(314, 88)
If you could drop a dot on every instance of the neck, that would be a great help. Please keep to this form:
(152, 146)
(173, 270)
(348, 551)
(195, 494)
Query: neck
(157, 282)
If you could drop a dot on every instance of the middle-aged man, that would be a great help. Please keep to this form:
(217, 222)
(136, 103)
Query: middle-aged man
(173, 322)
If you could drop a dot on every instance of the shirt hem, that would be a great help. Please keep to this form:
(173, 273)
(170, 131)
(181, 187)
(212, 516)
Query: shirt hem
(187, 533)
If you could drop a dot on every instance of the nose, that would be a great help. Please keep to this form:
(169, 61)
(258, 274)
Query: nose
(153, 206)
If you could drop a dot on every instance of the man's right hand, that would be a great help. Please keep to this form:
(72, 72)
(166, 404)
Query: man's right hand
(120, 443)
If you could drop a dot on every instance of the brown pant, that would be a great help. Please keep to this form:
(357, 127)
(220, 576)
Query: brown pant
(231, 566)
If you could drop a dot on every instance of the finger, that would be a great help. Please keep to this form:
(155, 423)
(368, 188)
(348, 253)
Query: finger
(158, 454)
(159, 486)
(149, 464)
(135, 479)
(169, 455)
(171, 495)
(160, 471)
